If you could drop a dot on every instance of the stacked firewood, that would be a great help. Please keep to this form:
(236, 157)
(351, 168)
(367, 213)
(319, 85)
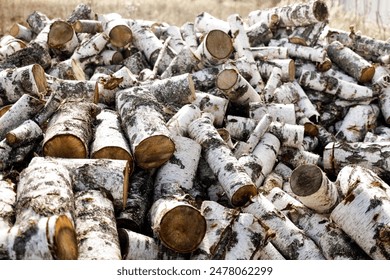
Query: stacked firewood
(258, 138)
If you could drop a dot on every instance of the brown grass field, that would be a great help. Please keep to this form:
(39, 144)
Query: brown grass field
(174, 12)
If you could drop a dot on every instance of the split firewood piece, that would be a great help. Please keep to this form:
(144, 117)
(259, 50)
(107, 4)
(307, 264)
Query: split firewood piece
(43, 238)
(139, 199)
(189, 35)
(242, 49)
(289, 135)
(215, 49)
(178, 124)
(231, 174)
(255, 136)
(97, 235)
(236, 88)
(69, 131)
(24, 109)
(284, 113)
(335, 244)
(137, 246)
(69, 69)
(180, 168)
(205, 22)
(11, 48)
(179, 225)
(81, 12)
(261, 161)
(357, 122)
(213, 104)
(17, 81)
(90, 26)
(364, 214)
(29, 131)
(143, 122)
(337, 155)
(286, 65)
(350, 62)
(117, 29)
(109, 140)
(7, 214)
(21, 32)
(298, 14)
(331, 85)
(147, 42)
(307, 35)
(259, 33)
(290, 241)
(62, 37)
(313, 188)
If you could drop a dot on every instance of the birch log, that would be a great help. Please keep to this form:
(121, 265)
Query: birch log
(109, 140)
(15, 82)
(259, 33)
(90, 47)
(189, 35)
(149, 137)
(213, 104)
(286, 65)
(290, 241)
(87, 26)
(27, 132)
(230, 173)
(37, 21)
(180, 226)
(7, 214)
(80, 12)
(117, 29)
(240, 128)
(69, 131)
(97, 235)
(21, 32)
(364, 214)
(205, 22)
(11, 48)
(62, 37)
(350, 62)
(289, 135)
(24, 109)
(284, 113)
(178, 124)
(307, 35)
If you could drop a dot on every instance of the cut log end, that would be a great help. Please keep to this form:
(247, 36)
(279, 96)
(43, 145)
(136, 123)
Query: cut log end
(243, 195)
(182, 229)
(65, 146)
(226, 79)
(291, 70)
(60, 33)
(154, 151)
(4, 109)
(39, 77)
(311, 129)
(219, 44)
(120, 36)
(320, 10)
(367, 74)
(65, 239)
(306, 180)
(113, 153)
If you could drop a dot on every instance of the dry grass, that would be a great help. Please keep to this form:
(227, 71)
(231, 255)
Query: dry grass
(174, 12)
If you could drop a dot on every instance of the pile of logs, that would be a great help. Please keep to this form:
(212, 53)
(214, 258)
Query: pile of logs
(259, 138)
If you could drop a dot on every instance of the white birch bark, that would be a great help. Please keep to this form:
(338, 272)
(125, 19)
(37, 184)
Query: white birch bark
(307, 35)
(296, 157)
(212, 104)
(178, 124)
(384, 103)
(21, 32)
(7, 214)
(273, 83)
(136, 246)
(286, 65)
(305, 105)
(284, 113)
(259, 33)
(189, 35)
(364, 214)
(230, 173)
(97, 235)
(62, 37)
(90, 47)
(240, 128)
(205, 22)
(25, 133)
(24, 109)
(289, 135)
(11, 48)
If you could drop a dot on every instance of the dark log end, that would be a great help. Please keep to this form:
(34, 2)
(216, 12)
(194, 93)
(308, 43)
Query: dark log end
(65, 239)
(320, 11)
(182, 229)
(243, 195)
(154, 151)
(306, 179)
(123, 242)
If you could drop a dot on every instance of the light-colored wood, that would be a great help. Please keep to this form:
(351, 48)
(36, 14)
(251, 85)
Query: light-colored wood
(62, 37)
(21, 32)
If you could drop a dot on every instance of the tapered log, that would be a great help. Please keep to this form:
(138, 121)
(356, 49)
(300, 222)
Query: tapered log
(21, 32)
(286, 65)
(180, 168)
(350, 62)
(335, 244)
(314, 189)
(337, 155)
(212, 104)
(29, 131)
(179, 226)
(145, 127)
(307, 35)
(230, 173)
(290, 241)
(215, 49)
(117, 29)
(364, 214)
(69, 131)
(357, 122)
(97, 235)
(236, 88)
(18, 81)
(62, 37)
(178, 124)
(284, 113)
(43, 238)
(24, 109)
